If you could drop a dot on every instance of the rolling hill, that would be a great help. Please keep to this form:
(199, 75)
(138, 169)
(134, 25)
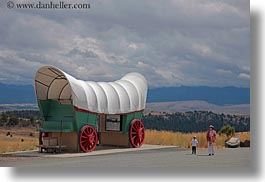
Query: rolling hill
(196, 105)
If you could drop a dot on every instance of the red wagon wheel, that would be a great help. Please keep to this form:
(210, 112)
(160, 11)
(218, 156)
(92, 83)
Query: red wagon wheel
(88, 139)
(137, 133)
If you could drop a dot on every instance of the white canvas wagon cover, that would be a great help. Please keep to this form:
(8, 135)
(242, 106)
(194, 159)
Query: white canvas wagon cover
(122, 96)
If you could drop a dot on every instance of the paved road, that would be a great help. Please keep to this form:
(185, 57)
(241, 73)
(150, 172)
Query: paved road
(166, 158)
(171, 160)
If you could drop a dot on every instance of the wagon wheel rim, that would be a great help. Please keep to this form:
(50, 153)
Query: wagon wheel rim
(137, 133)
(88, 139)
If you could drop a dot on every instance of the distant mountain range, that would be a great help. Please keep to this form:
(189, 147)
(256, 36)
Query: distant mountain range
(10, 94)
(195, 105)
(214, 95)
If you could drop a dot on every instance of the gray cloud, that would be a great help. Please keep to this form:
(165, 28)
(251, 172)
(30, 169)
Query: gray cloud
(174, 42)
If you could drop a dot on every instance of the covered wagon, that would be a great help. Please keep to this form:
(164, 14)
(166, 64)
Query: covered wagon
(81, 114)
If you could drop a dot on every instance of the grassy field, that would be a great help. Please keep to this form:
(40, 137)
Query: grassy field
(20, 139)
(184, 139)
(30, 139)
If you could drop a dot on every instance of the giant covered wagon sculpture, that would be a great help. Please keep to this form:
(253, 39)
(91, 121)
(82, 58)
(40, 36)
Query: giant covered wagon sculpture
(83, 114)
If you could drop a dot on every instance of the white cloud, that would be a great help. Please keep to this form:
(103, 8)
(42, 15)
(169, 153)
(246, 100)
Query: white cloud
(244, 76)
(133, 46)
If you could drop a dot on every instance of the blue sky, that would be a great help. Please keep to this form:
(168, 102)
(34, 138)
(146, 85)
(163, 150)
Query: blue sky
(171, 42)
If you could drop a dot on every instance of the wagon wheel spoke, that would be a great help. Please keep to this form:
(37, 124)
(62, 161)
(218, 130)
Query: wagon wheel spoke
(83, 137)
(137, 142)
(91, 130)
(85, 145)
(86, 131)
(137, 125)
(134, 128)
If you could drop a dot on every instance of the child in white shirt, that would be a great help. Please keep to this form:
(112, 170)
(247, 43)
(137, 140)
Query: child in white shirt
(194, 143)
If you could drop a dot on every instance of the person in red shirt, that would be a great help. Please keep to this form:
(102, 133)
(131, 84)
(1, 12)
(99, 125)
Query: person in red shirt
(211, 139)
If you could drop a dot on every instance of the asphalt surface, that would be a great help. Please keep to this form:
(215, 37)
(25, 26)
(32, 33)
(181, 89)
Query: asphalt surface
(173, 158)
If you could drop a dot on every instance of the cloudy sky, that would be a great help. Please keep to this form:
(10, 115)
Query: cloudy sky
(171, 42)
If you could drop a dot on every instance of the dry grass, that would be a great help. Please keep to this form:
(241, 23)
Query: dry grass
(14, 143)
(184, 139)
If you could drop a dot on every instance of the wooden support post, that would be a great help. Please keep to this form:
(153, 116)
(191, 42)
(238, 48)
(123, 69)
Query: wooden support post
(60, 145)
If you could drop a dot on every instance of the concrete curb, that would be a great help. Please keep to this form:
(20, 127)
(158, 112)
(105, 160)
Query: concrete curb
(101, 151)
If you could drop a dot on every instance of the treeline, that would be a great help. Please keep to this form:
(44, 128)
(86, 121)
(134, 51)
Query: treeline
(21, 118)
(24, 114)
(195, 121)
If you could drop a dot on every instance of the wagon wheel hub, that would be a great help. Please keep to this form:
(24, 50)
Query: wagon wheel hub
(139, 133)
(136, 133)
(88, 139)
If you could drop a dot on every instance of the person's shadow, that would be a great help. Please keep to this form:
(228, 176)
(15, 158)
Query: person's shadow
(198, 154)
